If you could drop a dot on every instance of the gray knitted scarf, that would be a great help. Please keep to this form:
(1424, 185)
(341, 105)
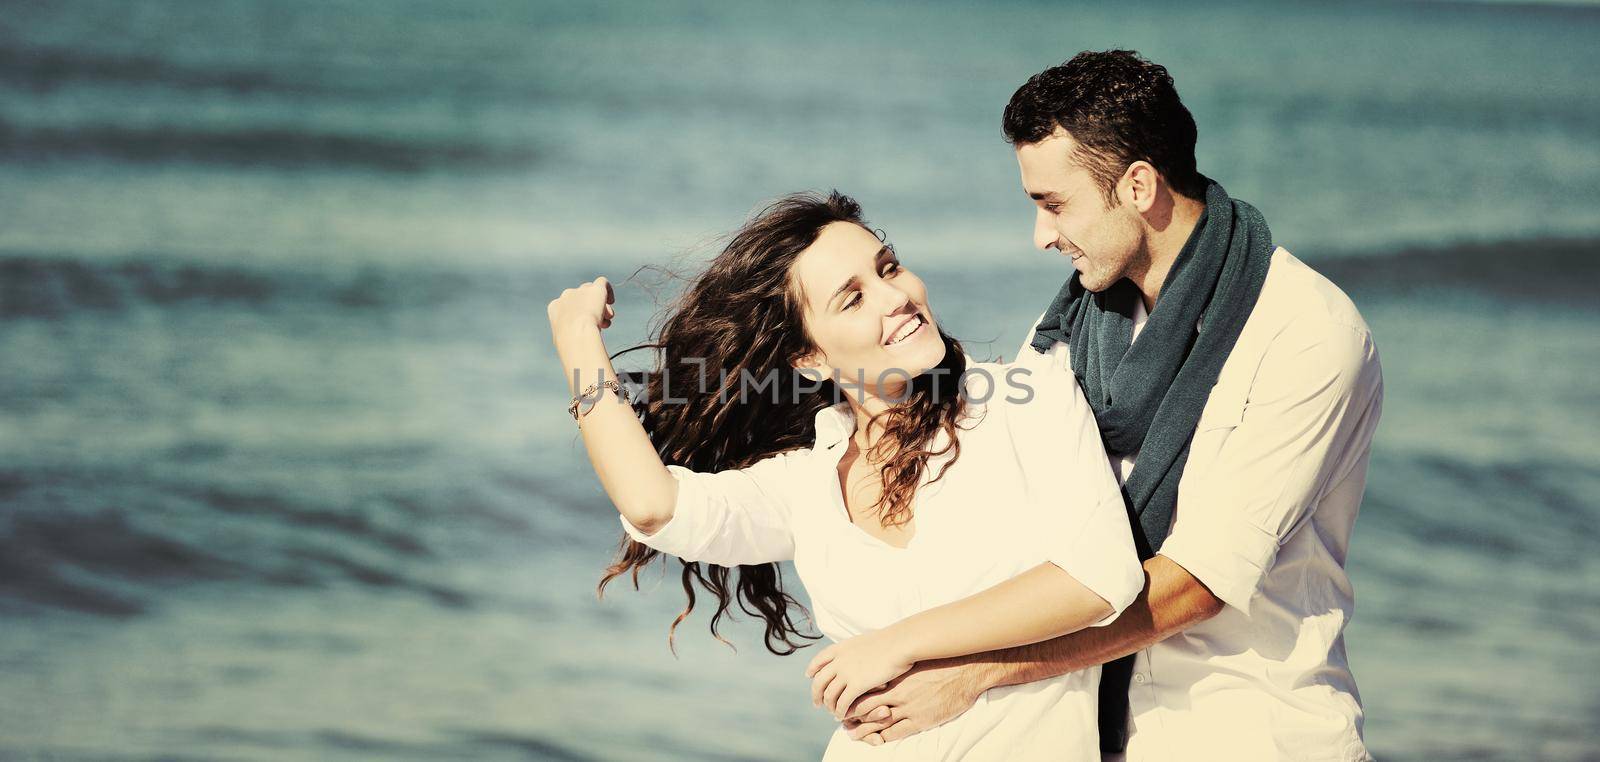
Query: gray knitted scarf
(1147, 395)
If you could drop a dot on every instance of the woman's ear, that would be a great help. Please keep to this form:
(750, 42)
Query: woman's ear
(813, 364)
(811, 367)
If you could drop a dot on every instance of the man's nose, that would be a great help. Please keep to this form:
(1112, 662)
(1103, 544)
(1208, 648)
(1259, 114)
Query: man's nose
(1044, 230)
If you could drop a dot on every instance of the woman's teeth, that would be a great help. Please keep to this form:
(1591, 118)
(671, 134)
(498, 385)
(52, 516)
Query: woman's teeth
(905, 332)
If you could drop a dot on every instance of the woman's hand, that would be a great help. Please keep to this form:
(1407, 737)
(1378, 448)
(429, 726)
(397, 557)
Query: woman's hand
(578, 309)
(931, 694)
(847, 669)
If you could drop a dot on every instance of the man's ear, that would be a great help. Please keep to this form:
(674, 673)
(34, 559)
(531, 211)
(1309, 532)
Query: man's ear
(1138, 185)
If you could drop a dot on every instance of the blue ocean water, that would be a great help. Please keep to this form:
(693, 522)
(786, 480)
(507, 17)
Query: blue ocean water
(284, 467)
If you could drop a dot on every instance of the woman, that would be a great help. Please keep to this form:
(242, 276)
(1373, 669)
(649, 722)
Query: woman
(808, 408)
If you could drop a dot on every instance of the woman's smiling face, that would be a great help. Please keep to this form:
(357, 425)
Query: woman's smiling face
(867, 316)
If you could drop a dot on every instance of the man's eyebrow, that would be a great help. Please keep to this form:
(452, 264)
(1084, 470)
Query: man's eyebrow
(1050, 196)
(855, 282)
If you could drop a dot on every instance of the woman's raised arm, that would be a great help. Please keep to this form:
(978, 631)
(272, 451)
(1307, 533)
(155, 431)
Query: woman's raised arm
(629, 468)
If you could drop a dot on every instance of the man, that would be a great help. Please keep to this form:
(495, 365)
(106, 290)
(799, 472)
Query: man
(1239, 416)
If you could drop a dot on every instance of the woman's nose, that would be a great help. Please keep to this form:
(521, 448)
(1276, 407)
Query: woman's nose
(895, 300)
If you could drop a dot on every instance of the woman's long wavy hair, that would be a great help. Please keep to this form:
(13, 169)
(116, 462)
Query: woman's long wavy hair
(744, 317)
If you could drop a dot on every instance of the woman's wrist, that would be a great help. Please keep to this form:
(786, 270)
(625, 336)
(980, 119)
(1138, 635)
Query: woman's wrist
(910, 640)
(581, 349)
(575, 333)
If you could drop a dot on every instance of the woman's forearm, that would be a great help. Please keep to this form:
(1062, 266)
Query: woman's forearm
(619, 448)
(1042, 603)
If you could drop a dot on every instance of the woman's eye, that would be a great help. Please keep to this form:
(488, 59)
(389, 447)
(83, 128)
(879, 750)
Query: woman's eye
(893, 267)
(852, 301)
(1052, 207)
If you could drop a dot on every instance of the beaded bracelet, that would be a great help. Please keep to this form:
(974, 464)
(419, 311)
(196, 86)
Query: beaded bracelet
(584, 401)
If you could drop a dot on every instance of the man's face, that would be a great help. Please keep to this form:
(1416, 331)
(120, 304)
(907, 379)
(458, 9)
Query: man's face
(1072, 217)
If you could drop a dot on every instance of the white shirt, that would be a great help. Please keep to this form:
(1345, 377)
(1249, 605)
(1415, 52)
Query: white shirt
(1031, 484)
(1265, 508)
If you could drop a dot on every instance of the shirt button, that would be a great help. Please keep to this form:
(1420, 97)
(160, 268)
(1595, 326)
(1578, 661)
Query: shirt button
(1139, 678)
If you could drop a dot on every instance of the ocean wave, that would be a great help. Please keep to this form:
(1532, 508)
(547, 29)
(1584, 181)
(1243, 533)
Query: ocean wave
(111, 544)
(92, 563)
(47, 69)
(275, 147)
(349, 523)
(51, 286)
(1542, 268)
(1511, 509)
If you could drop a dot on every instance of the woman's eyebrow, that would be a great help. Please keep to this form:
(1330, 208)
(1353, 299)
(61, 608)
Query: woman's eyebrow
(855, 282)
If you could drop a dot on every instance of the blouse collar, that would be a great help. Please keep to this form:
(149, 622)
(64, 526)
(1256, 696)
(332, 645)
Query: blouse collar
(834, 424)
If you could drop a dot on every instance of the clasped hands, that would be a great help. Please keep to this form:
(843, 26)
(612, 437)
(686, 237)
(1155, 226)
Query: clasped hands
(881, 693)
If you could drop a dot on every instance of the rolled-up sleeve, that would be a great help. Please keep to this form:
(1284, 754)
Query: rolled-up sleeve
(1308, 421)
(727, 518)
(1101, 555)
(1085, 521)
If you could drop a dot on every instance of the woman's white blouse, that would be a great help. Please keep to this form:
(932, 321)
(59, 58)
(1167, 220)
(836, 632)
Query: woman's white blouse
(1032, 484)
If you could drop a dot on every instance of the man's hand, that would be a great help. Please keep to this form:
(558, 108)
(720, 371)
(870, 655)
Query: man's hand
(929, 695)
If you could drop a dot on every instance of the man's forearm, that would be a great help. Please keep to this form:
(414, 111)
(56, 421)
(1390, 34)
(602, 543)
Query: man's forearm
(1172, 601)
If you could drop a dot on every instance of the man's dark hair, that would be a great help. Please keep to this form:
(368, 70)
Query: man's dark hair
(1119, 108)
